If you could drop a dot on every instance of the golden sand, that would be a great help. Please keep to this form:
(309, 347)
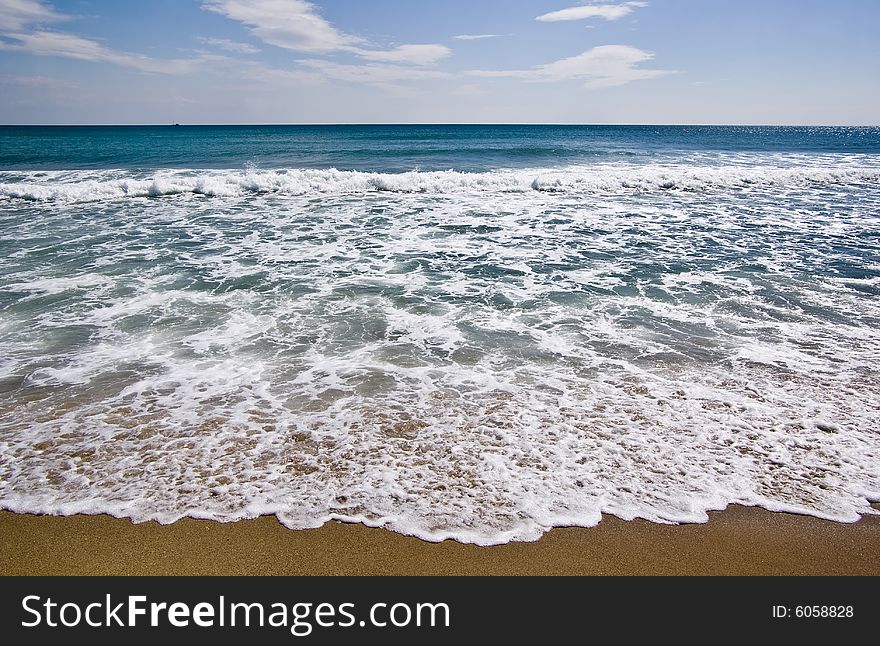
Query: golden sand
(736, 541)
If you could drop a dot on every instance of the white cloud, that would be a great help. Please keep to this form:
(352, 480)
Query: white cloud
(56, 43)
(17, 20)
(15, 15)
(229, 45)
(272, 77)
(413, 54)
(475, 36)
(604, 66)
(371, 73)
(297, 25)
(468, 90)
(40, 82)
(606, 11)
(291, 24)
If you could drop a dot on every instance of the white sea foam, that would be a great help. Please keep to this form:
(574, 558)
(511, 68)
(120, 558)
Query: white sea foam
(44, 286)
(112, 185)
(449, 355)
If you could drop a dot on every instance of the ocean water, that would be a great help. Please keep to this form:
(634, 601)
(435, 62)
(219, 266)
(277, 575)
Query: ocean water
(469, 332)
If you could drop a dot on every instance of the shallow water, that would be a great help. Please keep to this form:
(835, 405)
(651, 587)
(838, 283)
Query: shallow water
(474, 351)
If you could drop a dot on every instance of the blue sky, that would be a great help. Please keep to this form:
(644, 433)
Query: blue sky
(455, 61)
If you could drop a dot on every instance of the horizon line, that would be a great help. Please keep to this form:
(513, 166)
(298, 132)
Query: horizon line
(434, 123)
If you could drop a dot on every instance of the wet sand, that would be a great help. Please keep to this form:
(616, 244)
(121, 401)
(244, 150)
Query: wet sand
(736, 541)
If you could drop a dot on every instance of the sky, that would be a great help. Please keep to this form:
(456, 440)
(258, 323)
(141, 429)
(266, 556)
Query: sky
(440, 61)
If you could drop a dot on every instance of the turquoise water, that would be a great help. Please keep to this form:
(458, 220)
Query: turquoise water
(477, 332)
(400, 148)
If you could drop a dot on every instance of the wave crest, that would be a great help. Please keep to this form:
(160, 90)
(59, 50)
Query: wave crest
(84, 186)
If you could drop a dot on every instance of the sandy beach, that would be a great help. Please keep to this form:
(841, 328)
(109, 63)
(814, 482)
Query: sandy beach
(737, 541)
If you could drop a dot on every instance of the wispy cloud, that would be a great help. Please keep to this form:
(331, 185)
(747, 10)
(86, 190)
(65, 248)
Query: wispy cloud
(56, 43)
(475, 36)
(606, 11)
(21, 25)
(371, 73)
(297, 25)
(291, 24)
(39, 82)
(604, 66)
(15, 15)
(412, 54)
(229, 45)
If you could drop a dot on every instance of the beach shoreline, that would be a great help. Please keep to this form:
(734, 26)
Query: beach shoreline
(736, 541)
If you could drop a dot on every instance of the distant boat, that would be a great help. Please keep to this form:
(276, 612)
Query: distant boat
(176, 125)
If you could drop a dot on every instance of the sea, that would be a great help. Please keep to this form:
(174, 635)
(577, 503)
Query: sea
(475, 333)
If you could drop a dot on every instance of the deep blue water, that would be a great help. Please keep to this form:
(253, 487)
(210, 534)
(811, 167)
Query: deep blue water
(397, 148)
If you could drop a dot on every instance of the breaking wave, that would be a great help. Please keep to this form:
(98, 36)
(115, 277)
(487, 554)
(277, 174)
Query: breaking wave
(87, 186)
